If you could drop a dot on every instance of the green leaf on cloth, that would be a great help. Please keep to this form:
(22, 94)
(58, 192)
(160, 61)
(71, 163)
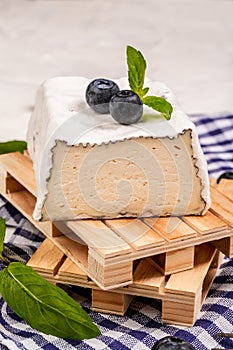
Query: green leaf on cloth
(43, 306)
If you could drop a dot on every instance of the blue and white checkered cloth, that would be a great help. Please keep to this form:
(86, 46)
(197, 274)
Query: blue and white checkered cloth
(141, 326)
(216, 138)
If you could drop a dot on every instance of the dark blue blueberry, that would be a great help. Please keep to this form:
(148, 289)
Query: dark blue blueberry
(126, 107)
(99, 93)
(227, 175)
(172, 343)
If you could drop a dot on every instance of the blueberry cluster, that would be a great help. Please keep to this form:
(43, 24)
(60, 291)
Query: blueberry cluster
(105, 96)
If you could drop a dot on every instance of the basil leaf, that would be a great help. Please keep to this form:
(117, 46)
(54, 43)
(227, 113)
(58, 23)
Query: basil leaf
(136, 70)
(159, 104)
(2, 235)
(44, 306)
(13, 146)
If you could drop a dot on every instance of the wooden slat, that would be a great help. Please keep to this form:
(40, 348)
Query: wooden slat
(20, 167)
(147, 276)
(225, 186)
(222, 206)
(77, 252)
(24, 201)
(175, 261)
(171, 228)
(116, 303)
(210, 275)
(135, 233)
(179, 313)
(71, 272)
(47, 258)
(189, 282)
(183, 309)
(98, 236)
(206, 224)
(110, 273)
(225, 245)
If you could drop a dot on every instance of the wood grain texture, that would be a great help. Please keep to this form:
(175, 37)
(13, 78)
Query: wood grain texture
(179, 308)
(136, 233)
(188, 282)
(20, 167)
(222, 206)
(171, 228)
(47, 258)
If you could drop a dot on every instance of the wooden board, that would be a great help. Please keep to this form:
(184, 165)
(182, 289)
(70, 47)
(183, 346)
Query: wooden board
(182, 293)
(106, 250)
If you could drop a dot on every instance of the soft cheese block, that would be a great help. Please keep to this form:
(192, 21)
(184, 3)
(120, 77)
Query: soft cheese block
(89, 166)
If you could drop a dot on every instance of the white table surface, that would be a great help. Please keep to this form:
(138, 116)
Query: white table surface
(188, 44)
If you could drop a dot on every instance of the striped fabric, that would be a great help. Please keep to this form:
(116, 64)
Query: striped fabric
(216, 138)
(141, 326)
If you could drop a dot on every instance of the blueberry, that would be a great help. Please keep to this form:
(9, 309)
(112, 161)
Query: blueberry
(99, 93)
(126, 107)
(227, 175)
(172, 343)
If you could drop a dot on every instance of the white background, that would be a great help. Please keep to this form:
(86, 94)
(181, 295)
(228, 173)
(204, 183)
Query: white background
(188, 44)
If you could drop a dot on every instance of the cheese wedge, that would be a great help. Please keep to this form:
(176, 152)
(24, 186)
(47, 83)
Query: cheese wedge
(89, 166)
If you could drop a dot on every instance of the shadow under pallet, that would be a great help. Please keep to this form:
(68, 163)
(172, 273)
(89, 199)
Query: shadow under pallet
(172, 259)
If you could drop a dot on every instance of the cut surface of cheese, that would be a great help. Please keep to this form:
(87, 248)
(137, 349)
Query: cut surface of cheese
(89, 166)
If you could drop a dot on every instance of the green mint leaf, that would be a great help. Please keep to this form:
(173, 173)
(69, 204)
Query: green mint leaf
(144, 91)
(136, 70)
(13, 146)
(136, 76)
(44, 306)
(159, 104)
(2, 235)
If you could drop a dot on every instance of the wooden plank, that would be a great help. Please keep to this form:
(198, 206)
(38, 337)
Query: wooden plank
(184, 311)
(20, 167)
(109, 257)
(24, 201)
(179, 313)
(135, 233)
(179, 260)
(109, 274)
(222, 206)
(69, 269)
(225, 245)
(189, 282)
(71, 272)
(77, 252)
(12, 185)
(210, 275)
(98, 236)
(225, 186)
(110, 302)
(175, 261)
(172, 229)
(206, 224)
(47, 258)
(147, 276)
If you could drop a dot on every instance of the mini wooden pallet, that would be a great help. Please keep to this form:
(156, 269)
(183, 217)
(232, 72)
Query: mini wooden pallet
(107, 250)
(182, 293)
